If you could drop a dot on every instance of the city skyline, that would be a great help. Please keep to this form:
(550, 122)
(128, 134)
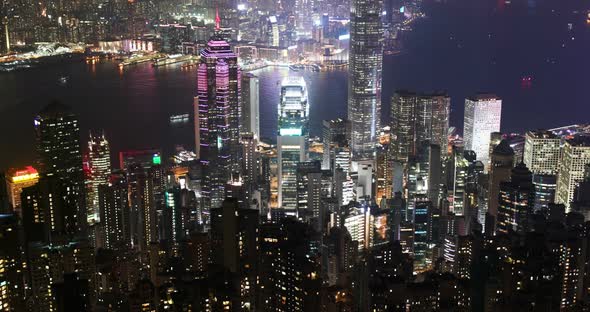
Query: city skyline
(293, 156)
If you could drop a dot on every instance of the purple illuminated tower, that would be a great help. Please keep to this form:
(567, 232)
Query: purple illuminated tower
(217, 118)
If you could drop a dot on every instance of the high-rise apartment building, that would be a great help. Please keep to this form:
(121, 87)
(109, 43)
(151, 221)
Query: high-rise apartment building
(364, 83)
(575, 155)
(217, 118)
(482, 117)
(99, 156)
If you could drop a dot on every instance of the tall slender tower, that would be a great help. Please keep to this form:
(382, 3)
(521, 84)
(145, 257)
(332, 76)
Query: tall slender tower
(99, 155)
(217, 118)
(364, 83)
(60, 158)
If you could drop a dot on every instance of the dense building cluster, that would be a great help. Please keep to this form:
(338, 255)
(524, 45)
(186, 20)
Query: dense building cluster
(372, 216)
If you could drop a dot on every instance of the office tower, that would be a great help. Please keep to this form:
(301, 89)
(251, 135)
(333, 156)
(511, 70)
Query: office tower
(364, 83)
(293, 129)
(60, 156)
(11, 272)
(575, 155)
(417, 118)
(359, 222)
(309, 191)
(146, 158)
(16, 181)
(541, 152)
(516, 202)
(482, 117)
(217, 118)
(235, 245)
(99, 156)
(250, 118)
(501, 163)
(545, 186)
(457, 168)
(113, 203)
(422, 212)
(335, 136)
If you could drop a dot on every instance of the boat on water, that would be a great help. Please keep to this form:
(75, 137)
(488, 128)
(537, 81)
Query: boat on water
(63, 80)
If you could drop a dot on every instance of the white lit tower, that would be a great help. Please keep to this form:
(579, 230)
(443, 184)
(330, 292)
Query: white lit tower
(364, 83)
(482, 117)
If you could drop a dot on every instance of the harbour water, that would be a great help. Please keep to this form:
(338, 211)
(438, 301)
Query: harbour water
(463, 46)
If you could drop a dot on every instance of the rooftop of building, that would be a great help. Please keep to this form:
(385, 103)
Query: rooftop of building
(541, 134)
(484, 97)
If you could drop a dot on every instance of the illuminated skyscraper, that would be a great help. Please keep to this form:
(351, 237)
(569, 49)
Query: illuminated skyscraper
(575, 155)
(217, 118)
(417, 118)
(292, 139)
(250, 117)
(99, 154)
(482, 117)
(364, 83)
(541, 152)
(60, 156)
(16, 181)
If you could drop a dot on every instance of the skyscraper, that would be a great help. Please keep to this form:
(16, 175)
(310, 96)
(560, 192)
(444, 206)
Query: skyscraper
(541, 152)
(335, 136)
(16, 181)
(99, 155)
(417, 118)
(292, 139)
(217, 118)
(575, 155)
(60, 156)
(502, 160)
(364, 83)
(482, 117)
(250, 114)
(516, 201)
